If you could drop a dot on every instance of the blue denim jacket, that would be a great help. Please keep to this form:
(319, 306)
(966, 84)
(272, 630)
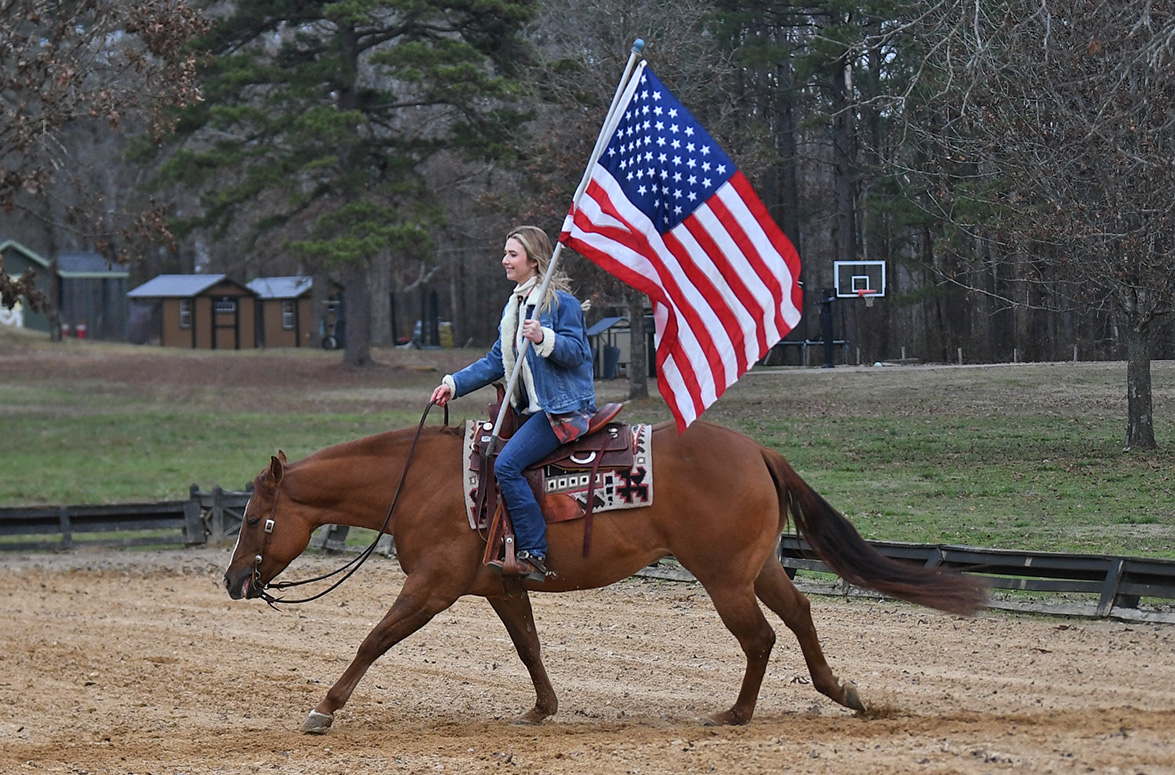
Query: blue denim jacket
(561, 363)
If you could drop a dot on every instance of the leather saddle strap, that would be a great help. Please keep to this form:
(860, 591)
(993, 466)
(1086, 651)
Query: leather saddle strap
(487, 490)
(501, 535)
(589, 506)
(493, 537)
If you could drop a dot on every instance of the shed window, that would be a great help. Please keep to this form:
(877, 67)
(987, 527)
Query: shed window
(288, 315)
(224, 306)
(185, 313)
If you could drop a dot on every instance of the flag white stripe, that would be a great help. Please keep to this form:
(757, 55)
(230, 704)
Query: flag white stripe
(749, 267)
(768, 259)
(669, 379)
(743, 267)
(696, 312)
(774, 262)
(713, 273)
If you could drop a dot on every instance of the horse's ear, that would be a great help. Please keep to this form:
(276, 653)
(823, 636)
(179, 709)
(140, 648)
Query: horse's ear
(276, 466)
(281, 456)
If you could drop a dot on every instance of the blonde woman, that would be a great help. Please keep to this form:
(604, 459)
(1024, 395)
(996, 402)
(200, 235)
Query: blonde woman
(554, 393)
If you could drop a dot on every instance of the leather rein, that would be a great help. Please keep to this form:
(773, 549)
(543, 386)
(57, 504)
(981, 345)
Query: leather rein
(262, 590)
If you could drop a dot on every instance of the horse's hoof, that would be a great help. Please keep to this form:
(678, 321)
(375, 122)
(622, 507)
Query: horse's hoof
(317, 723)
(531, 718)
(853, 700)
(725, 719)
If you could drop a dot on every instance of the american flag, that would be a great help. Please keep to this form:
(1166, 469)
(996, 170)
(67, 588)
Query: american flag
(666, 211)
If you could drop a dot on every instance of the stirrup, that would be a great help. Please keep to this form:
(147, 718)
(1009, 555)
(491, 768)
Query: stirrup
(537, 565)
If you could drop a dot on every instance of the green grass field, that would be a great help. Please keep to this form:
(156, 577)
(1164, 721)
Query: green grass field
(1022, 456)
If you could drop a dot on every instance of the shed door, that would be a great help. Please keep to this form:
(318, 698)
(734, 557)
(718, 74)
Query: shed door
(226, 323)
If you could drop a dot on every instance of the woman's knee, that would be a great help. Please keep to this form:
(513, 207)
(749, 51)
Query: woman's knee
(507, 467)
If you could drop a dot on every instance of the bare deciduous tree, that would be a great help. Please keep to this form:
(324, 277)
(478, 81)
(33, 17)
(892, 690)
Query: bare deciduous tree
(584, 49)
(63, 64)
(1048, 129)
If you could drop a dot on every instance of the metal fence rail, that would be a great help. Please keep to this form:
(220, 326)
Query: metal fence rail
(1110, 585)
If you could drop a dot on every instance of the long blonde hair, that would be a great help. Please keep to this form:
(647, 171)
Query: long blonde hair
(538, 246)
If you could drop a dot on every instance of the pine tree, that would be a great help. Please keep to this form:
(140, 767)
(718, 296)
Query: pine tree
(320, 116)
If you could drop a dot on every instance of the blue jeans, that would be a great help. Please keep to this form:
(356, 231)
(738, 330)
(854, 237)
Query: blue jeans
(532, 442)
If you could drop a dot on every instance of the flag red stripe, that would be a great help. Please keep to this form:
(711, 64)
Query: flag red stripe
(713, 303)
(735, 330)
(671, 353)
(660, 287)
(781, 247)
(718, 283)
(784, 253)
(754, 262)
(694, 355)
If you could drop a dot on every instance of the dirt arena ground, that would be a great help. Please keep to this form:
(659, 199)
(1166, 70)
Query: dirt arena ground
(114, 663)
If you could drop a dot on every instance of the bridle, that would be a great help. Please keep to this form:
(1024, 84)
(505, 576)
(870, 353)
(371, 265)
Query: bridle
(261, 589)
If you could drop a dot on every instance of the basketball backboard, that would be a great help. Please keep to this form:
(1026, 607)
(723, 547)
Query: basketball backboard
(857, 279)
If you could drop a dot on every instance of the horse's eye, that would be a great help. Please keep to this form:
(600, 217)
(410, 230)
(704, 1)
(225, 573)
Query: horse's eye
(253, 522)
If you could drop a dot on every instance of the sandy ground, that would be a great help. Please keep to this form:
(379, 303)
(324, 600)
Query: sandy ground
(137, 662)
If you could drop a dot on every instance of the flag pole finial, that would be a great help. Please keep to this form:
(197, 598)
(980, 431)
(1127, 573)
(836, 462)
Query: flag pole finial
(638, 46)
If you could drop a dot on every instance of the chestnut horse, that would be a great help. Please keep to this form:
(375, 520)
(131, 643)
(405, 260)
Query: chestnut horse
(721, 504)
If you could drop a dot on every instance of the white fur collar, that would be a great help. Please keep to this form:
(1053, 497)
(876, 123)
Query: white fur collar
(510, 336)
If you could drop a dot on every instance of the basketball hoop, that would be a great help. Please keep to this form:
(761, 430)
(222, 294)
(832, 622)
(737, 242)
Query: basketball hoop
(867, 294)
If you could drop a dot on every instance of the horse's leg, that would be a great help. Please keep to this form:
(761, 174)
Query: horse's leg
(421, 598)
(778, 593)
(516, 614)
(741, 614)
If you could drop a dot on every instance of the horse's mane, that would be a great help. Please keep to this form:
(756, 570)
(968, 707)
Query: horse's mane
(386, 441)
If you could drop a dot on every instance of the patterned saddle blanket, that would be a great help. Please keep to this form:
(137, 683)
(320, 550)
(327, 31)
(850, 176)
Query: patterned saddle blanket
(562, 482)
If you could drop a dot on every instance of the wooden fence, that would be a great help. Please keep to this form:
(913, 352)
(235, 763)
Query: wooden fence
(206, 517)
(1047, 582)
(1118, 583)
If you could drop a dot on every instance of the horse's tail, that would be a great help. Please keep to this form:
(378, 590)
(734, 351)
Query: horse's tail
(841, 547)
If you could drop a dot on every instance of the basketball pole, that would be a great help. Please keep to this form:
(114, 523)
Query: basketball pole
(606, 130)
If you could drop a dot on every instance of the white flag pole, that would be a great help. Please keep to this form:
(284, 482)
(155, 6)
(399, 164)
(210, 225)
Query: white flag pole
(608, 126)
(638, 48)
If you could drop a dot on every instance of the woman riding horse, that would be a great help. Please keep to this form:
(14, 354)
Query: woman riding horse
(555, 394)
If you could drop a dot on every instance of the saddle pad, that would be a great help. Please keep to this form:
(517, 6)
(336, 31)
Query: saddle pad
(615, 489)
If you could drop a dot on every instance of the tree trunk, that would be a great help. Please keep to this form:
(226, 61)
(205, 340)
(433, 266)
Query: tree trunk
(381, 300)
(357, 309)
(787, 172)
(319, 292)
(1140, 425)
(638, 360)
(355, 270)
(52, 285)
(844, 159)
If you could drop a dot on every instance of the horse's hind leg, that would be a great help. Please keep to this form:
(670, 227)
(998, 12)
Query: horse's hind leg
(777, 592)
(735, 603)
(420, 599)
(515, 612)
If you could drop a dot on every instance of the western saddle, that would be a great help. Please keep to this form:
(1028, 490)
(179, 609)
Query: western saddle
(605, 445)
